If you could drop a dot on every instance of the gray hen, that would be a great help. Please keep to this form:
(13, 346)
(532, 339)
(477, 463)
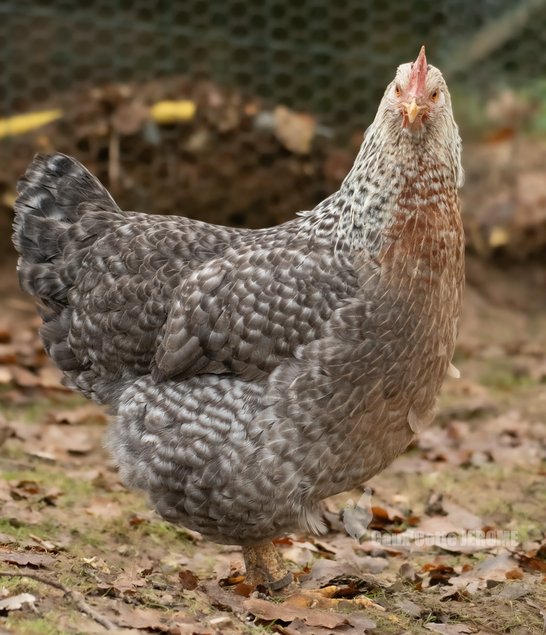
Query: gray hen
(254, 373)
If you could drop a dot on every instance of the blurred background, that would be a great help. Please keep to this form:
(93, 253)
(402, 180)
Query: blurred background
(246, 112)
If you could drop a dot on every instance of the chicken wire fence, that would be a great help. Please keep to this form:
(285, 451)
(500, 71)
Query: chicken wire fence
(238, 76)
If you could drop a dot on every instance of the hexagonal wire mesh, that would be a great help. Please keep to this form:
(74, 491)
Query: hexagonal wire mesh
(104, 63)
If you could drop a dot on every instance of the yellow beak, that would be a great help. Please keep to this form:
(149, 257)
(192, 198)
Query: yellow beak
(412, 110)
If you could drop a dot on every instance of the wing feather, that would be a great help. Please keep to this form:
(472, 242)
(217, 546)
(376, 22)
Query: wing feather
(246, 312)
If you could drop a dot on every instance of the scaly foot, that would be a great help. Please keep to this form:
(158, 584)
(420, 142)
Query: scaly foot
(264, 566)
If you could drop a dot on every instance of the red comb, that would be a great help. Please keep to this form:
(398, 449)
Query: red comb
(418, 74)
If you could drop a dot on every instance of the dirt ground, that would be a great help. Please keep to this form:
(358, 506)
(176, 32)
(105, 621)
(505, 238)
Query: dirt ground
(450, 539)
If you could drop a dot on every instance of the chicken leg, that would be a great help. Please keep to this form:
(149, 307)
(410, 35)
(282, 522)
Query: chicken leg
(265, 566)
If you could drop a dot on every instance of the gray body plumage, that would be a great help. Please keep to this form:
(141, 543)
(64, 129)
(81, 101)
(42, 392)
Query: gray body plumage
(254, 373)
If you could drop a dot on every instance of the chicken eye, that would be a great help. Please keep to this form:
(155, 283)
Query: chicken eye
(435, 95)
(397, 91)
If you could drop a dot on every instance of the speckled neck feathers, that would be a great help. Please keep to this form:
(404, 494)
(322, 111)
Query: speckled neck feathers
(396, 173)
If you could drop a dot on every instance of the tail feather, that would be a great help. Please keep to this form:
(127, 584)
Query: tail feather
(52, 238)
(53, 194)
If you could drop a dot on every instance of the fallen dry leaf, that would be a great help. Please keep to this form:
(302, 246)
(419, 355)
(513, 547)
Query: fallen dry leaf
(513, 591)
(468, 543)
(127, 583)
(437, 573)
(409, 608)
(8, 354)
(384, 516)
(300, 552)
(26, 559)
(360, 622)
(24, 490)
(23, 377)
(188, 580)
(514, 574)
(357, 623)
(46, 545)
(272, 611)
(157, 620)
(436, 526)
(494, 568)
(89, 413)
(16, 602)
(491, 571)
(98, 564)
(52, 442)
(531, 562)
(324, 570)
(6, 539)
(104, 507)
(462, 517)
(50, 377)
(222, 599)
(507, 439)
(407, 572)
(16, 513)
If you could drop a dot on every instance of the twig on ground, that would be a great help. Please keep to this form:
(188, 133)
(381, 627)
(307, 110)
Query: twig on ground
(76, 597)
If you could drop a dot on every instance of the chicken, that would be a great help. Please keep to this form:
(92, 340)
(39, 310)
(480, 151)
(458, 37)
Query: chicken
(254, 373)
